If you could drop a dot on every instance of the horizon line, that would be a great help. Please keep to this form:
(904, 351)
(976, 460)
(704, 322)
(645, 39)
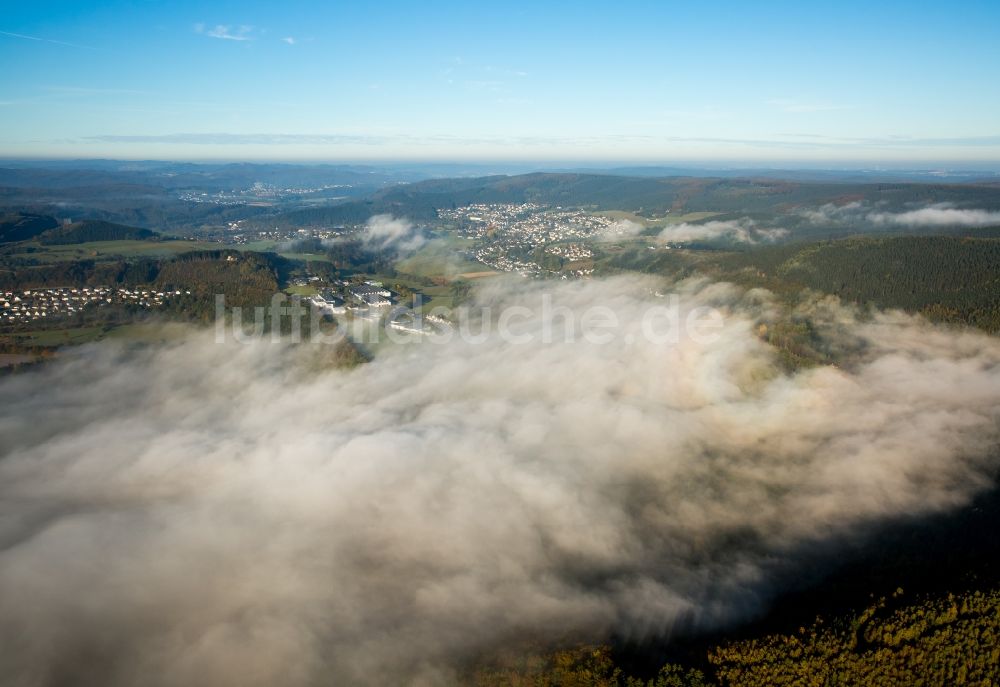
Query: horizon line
(814, 164)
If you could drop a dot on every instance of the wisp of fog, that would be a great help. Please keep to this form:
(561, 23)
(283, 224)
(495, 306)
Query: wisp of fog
(225, 514)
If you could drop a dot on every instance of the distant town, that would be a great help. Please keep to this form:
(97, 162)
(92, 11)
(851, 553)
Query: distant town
(60, 301)
(258, 194)
(508, 235)
(528, 239)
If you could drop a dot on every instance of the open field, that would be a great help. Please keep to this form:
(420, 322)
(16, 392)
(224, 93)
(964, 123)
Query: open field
(110, 249)
(437, 297)
(687, 217)
(440, 258)
(434, 294)
(57, 337)
(260, 246)
(275, 247)
(659, 221)
(157, 332)
(627, 216)
(302, 290)
(305, 257)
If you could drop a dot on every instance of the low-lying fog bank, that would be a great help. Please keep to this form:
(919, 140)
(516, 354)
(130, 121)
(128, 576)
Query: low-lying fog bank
(213, 514)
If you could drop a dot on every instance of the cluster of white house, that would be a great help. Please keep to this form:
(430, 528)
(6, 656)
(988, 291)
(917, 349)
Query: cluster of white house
(372, 301)
(372, 294)
(369, 298)
(409, 321)
(238, 233)
(527, 224)
(497, 257)
(571, 251)
(35, 304)
(486, 214)
(509, 232)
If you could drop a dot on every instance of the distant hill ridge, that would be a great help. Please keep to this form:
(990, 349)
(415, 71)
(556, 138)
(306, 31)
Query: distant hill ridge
(18, 226)
(648, 196)
(23, 226)
(95, 230)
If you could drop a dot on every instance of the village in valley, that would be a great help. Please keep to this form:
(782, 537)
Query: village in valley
(508, 236)
(61, 301)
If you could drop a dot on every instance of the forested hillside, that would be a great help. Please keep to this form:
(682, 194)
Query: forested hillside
(395, 202)
(242, 276)
(245, 279)
(947, 278)
(95, 230)
(947, 640)
(79, 273)
(18, 226)
(950, 640)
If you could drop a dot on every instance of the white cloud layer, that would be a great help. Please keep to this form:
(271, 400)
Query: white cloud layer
(386, 231)
(740, 231)
(211, 514)
(938, 215)
(622, 229)
(227, 32)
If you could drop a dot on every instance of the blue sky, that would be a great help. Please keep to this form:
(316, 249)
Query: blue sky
(882, 83)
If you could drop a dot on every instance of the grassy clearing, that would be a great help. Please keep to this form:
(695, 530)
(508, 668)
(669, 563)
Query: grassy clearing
(58, 337)
(275, 247)
(624, 215)
(259, 246)
(658, 221)
(146, 249)
(440, 258)
(302, 290)
(111, 249)
(144, 332)
(689, 217)
(432, 294)
(432, 301)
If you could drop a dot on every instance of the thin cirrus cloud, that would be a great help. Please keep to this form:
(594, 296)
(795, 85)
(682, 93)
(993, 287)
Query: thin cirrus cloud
(39, 39)
(820, 140)
(792, 142)
(243, 32)
(239, 33)
(338, 139)
(241, 139)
